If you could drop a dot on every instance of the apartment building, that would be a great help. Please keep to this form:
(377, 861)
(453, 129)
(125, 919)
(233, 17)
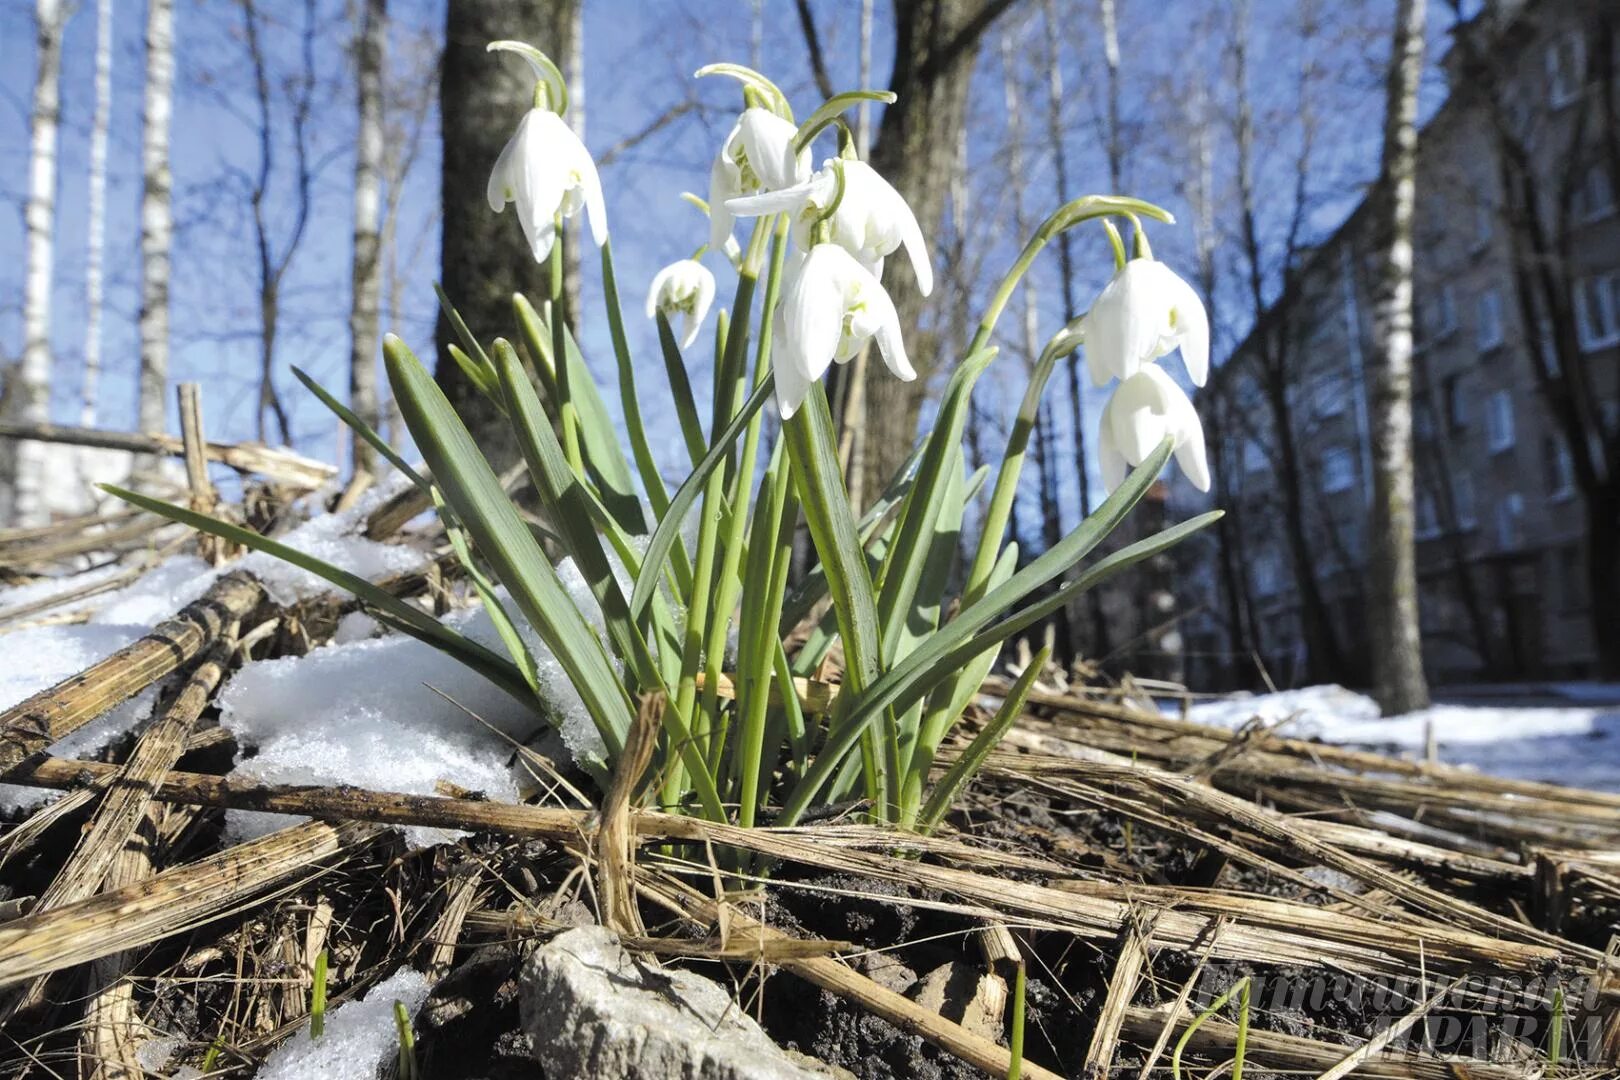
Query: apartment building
(1517, 283)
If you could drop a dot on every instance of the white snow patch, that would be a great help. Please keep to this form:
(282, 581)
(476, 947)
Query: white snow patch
(156, 594)
(365, 713)
(335, 539)
(40, 657)
(355, 626)
(1579, 746)
(358, 1035)
(44, 589)
(153, 1054)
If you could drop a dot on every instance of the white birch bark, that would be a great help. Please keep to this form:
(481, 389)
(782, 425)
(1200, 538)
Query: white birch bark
(1397, 650)
(157, 221)
(28, 398)
(96, 226)
(367, 271)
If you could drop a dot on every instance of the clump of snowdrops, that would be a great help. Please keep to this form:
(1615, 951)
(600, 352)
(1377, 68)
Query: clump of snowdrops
(807, 293)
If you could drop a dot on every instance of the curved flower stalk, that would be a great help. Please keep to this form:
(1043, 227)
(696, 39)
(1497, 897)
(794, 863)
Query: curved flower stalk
(870, 219)
(831, 306)
(544, 168)
(684, 288)
(1146, 311)
(756, 156)
(1144, 410)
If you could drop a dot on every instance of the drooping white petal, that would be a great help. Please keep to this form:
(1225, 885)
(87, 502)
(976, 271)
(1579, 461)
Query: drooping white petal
(723, 186)
(655, 291)
(685, 288)
(887, 220)
(792, 385)
(767, 141)
(1111, 461)
(1189, 326)
(546, 171)
(813, 309)
(1125, 323)
(1144, 409)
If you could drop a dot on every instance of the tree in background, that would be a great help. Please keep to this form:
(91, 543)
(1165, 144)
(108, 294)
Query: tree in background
(27, 394)
(483, 258)
(96, 229)
(370, 47)
(157, 214)
(1397, 646)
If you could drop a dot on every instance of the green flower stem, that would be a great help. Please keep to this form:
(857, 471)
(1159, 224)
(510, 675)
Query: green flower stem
(771, 552)
(657, 494)
(1005, 493)
(567, 411)
(814, 452)
(726, 402)
(729, 584)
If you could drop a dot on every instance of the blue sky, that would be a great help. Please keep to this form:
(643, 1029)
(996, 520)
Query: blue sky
(639, 59)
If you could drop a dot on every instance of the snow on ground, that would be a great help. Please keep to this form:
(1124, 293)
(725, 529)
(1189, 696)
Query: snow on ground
(1579, 746)
(357, 1038)
(35, 659)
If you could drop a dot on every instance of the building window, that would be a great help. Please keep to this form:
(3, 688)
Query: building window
(1566, 69)
(1267, 578)
(1338, 470)
(1594, 198)
(1462, 500)
(1328, 393)
(1488, 331)
(1456, 404)
(1597, 310)
(1445, 312)
(1499, 421)
(1560, 471)
(1426, 523)
(1510, 522)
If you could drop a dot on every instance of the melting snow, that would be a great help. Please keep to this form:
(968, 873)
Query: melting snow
(358, 1035)
(1568, 745)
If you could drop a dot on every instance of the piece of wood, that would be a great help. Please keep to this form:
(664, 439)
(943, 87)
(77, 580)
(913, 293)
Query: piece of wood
(1121, 989)
(128, 798)
(173, 901)
(51, 715)
(274, 463)
(1263, 930)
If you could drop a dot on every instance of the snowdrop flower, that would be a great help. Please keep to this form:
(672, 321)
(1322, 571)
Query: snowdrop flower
(1146, 407)
(1145, 312)
(871, 222)
(831, 306)
(685, 288)
(756, 156)
(547, 171)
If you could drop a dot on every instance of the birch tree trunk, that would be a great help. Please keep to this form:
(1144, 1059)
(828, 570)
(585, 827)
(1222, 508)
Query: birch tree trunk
(367, 275)
(96, 226)
(484, 259)
(157, 220)
(1397, 650)
(28, 395)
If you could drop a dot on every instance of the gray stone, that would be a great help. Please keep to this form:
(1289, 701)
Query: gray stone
(592, 1010)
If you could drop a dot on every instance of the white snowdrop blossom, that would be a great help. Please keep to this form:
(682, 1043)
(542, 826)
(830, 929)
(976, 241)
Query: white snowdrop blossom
(756, 156)
(547, 171)
(872, 221)
(684, 288)
(1146, 312)
(1146, 407)
(830, 307)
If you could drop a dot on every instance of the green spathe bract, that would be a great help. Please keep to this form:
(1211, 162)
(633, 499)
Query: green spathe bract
(737, 739)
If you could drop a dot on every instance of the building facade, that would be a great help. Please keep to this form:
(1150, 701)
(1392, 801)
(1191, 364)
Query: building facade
(1516, 388)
